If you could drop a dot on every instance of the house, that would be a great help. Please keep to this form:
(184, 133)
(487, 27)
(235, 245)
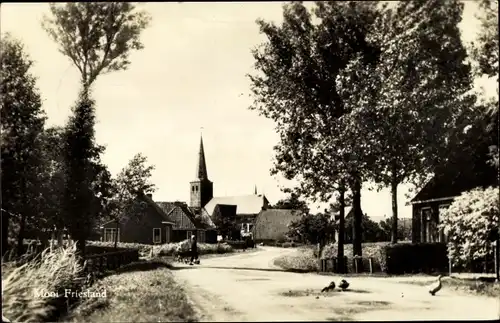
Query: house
(437, 195)
(272, 224)
(150, 226)
(188, 221)
(227, 213)
(203, 201)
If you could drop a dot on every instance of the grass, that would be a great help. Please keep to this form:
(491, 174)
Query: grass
(168, 249)
(305, 258)
(141, 292)
(51, 272)
(467, 286)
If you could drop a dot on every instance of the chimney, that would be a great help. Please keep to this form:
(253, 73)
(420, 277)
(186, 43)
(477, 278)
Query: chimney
(149, 195)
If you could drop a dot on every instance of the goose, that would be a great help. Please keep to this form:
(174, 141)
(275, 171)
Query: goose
(343, 285)
(436, 286)
(5, 320)
(329, 287)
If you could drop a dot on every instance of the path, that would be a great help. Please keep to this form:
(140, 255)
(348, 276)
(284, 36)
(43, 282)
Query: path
(248, 287)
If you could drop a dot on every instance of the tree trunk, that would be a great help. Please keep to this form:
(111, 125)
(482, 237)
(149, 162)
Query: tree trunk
(80, 247)
(340, 243)
(5, 232)
(356, 203)
(394, 196)
(20, 235)
(116, 235)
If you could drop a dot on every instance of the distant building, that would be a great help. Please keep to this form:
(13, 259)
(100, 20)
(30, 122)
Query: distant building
(272, 224)
(203, 201)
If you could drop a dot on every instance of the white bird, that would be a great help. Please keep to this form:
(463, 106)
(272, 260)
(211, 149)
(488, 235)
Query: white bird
(5, 320)
(436, 286)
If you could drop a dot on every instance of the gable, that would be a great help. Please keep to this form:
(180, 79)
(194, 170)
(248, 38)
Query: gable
(450, 184)
(225, 211)
(182, 221)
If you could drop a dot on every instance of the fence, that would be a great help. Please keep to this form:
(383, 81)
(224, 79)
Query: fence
(110, 260)
(353, 265)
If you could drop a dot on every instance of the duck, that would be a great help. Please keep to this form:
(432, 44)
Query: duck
(436, 286)
(343, 285)
(329, 287)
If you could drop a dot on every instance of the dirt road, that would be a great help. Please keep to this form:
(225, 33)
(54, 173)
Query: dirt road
(248, 287)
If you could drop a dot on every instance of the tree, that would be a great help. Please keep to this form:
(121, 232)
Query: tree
(295, 86)
(313, 228)
(468, 222)
(97, 37)
(132, 181)
(292, 202)
(372, 232)
(88, 182)
(404, 229)
(226, 226)
(485, 50)
(418, 85)
(22, 124)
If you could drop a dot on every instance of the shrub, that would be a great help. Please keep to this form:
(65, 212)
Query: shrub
(169, 249)
(467, 222)
(415, 257)
(301, 260)
(237, 244)
(52, 271)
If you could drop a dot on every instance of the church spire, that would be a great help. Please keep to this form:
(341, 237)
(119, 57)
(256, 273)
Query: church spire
(255, 190)
(201, 170)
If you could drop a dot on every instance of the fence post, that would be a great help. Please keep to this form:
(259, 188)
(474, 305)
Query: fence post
(371, 265)
(497, 261)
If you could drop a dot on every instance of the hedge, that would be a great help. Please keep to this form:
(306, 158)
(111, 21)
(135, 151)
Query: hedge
(415, 258)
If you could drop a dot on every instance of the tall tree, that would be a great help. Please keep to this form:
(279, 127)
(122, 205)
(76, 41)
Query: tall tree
(88, 182)
(97, 37)
(132, 181)
(295, 85)
(407, 100)
(22, 122)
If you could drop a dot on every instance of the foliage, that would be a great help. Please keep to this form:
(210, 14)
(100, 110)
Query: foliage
(404, 229)
(226, 225)
(485, 50)
(294, 85)
(130, 297)
(51, 272)
(21, 129)
(88, 182)
(415, 258)
(98, 37)
(312, 228)
(292, 202)
(132, 181)
(371, 231)
(467, 223)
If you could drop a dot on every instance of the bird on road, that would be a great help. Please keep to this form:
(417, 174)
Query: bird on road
(343, 285)
(436, 286)
(329, 287)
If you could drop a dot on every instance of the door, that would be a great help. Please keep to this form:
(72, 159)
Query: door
(168, 231)
(425, 224)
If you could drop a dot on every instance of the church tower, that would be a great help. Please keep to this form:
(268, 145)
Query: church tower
(201, 188)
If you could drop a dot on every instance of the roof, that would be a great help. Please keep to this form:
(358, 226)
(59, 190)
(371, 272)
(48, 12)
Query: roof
(452, 184)
(272, 224)
(178, 212)
(201, 170)
(159, 210)
(245, 204)
(224, 210)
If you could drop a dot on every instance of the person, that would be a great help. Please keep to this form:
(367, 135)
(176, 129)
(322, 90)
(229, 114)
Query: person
(194, 250)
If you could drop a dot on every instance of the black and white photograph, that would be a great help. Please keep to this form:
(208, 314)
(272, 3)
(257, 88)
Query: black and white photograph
(249, 161)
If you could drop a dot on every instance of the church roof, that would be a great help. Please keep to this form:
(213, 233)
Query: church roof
(201, 170)
(245, 204)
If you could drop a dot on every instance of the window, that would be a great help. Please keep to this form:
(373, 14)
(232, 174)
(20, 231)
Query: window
(157, 235)
(192, 188)
(201, 236)
(425, 218)
(110, 233)
(443, 237)
(189, 234)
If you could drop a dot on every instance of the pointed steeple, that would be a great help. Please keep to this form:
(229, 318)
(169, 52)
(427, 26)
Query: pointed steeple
(255, 191)
(201, 170)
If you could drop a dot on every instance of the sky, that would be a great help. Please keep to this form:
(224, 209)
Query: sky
(190, 75)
